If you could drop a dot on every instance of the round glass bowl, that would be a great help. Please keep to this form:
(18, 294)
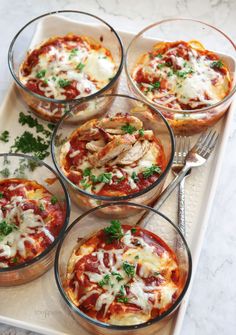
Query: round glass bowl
(184, 122)
(115, 104)
(26, 167)
(87, 225)
(60, 23)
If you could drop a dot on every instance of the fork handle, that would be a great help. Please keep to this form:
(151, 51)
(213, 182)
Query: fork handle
(181, 207)
(170, 188)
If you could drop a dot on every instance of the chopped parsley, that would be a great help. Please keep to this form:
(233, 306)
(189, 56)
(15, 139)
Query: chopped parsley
(129, 269)
(128, 129)
(54, 200)
(104, 281)
(5, 172)
(136, 257)
(114, 232)
(159, 56)
(15, 260)
(84, 183)
(87, 172)
(183, 74)
(141, 132)
(80, 66)
(63, 83)
(41, 207)
(125, 300)
(151, 170)
(133, 230)
(73, 53)
(156, 273)
(218, 64)
(33, 123)
(134, 176)
(1, 195)
(102, 178)
(41, 74)
(28, 143)
(6, 229)
(118, 276)
(4, 136)
(155, 85)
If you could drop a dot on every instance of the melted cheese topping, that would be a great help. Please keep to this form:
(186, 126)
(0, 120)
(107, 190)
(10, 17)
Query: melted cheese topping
(100, 285)
(67, 67)
(26, 220)
(178, 75)
(124, 178)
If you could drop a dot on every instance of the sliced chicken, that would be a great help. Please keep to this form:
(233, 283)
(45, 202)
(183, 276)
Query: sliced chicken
(112, 150)
(88, 131)
(116, 123)
(137, 151)
(95, 146)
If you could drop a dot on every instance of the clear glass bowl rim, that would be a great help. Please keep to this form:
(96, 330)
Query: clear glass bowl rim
(41, 97)
(167, 109)
(107, 325)
(65, 224)
(115, 198)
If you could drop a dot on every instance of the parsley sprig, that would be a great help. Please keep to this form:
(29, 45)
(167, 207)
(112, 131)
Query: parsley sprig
(218, 64)
(129, 269)
(128, 128)
(6, 229)
(114, 232)
(4, 136)
(151, 170)
(104, 281)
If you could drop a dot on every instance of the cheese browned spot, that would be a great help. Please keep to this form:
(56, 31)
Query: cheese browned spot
(182, 76)
(123, 282)
(30, 220)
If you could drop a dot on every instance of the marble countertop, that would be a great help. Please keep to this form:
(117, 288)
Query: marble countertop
(212, 304)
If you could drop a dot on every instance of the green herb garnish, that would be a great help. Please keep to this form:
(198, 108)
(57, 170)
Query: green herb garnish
(125, 300)
(80, 66)
(133, 230)
(5, 172)
(104, 281)
(41, 207)
(41, 74)
(151, 170)
(102, 178)
(218, 64)
(134, 176)
(1, 195)
(155, 85)
(183, 74)
(114, 232)
(87, 172)
(128, 128)
(4, 136)
(15, 260)
(54, 200)
(118, 276)
(84, 183)
(159, 56)
(73, 53)
(33, 123)
(141, 132)
(136, 257)
(129, 269)
(63, 83)
(6, 228)
(27, 143)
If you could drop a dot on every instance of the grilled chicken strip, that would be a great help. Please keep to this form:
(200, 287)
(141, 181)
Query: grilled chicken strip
(112, 150)
(114, 126)
(137, 151)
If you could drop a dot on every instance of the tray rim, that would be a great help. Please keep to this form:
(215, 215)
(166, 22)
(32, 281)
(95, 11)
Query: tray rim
(179, 316)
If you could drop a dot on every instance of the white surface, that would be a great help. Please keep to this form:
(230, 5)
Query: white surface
(212, 307)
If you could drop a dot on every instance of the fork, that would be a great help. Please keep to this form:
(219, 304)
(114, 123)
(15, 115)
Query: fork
(182, 148)
(196, 157)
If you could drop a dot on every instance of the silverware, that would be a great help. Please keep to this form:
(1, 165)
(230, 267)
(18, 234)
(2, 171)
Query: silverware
(181, 151)
(197, 156)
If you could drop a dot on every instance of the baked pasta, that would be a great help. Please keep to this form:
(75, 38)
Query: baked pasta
(114, 156)
(182, 76)
(123, 275)
(30, 220)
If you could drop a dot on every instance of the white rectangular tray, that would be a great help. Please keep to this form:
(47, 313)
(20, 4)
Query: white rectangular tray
(37, 306)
